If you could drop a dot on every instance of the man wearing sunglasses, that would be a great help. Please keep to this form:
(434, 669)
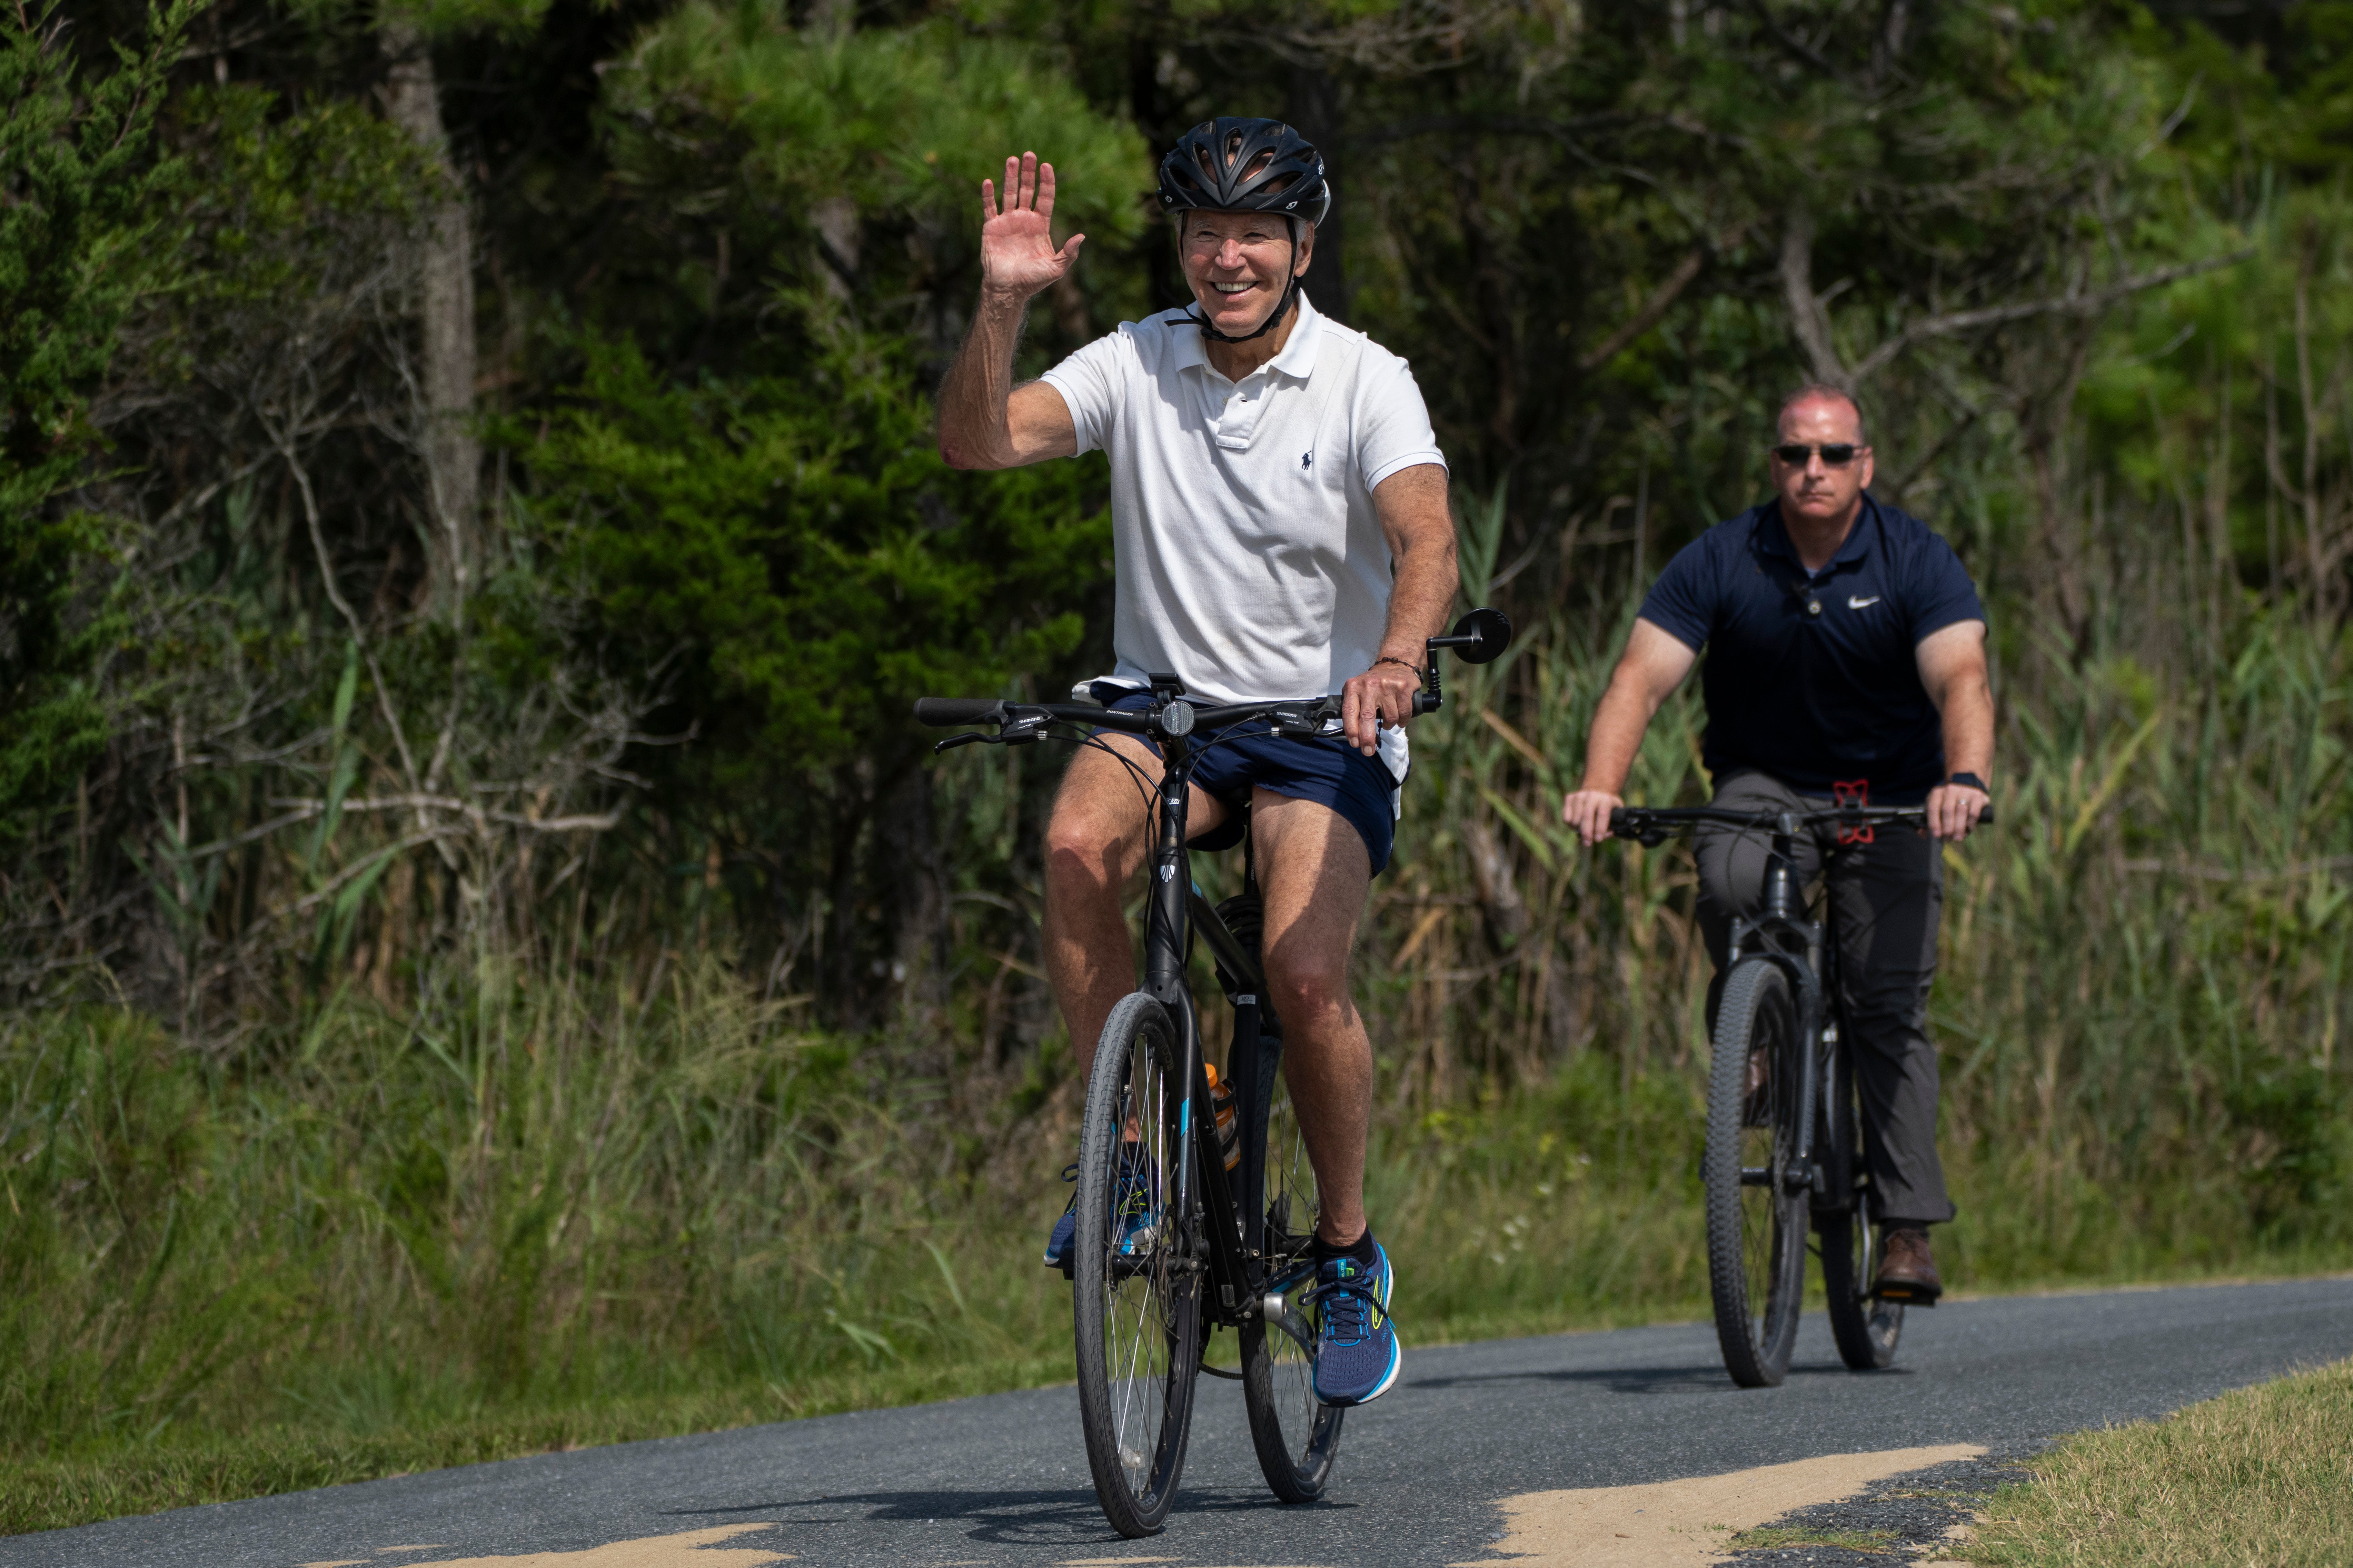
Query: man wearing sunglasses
(1846, 645)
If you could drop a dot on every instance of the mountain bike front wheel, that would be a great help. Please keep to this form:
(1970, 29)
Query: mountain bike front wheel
(1296, 1434)
(1135, 1295)
(1756, 1215)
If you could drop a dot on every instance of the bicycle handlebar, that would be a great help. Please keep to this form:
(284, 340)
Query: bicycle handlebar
(941, 712)
(1479, 637)
(1299, 718)
(1651, 825)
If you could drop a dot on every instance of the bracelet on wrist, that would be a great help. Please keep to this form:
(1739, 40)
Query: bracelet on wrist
(1392, 659)
(1969, 780)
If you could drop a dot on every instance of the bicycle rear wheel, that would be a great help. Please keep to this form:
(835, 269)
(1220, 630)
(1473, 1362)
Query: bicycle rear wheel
(1756, 1221)
(1866, 1329)
(1135, 1301)
(1296, 1434)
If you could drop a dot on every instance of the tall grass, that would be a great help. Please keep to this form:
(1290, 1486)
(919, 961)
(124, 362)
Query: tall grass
(517, 1197)
(2142, 989)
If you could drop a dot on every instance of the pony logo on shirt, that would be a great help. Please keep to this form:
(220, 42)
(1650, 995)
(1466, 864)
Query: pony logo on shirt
(1306, 459)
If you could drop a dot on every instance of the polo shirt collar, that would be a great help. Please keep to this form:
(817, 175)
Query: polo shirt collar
(1774, 535)
(1297, 358)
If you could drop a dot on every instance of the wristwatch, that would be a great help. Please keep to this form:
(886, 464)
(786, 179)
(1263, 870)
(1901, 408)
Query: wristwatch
(1972, 780)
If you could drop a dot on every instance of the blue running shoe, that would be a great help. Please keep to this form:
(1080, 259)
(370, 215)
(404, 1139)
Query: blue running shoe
(1135, 1199)
(1066, 1229)
(1357, 1357)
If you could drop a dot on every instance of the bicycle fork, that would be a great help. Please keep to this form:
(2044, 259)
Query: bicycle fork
(1780, 927)
(1166, 981)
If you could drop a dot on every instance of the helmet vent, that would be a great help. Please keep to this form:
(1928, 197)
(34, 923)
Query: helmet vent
(1245, 166)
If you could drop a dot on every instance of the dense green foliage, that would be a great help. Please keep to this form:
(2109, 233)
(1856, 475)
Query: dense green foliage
(816, 607)
(77, 247)
(483, 983)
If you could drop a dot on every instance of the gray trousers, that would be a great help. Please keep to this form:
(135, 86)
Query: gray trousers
(1886, 900)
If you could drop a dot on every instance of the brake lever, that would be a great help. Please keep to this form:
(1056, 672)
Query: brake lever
(969, 737)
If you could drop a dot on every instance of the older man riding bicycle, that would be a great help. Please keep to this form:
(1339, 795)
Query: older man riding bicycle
(1280, 529)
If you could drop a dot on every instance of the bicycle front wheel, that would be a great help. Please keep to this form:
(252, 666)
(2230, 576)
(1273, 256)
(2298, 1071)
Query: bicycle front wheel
(1296, 1434)
(1756, 1219)
(1135, 1297)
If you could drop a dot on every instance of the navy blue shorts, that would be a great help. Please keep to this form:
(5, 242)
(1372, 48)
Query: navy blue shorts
(1326, 770)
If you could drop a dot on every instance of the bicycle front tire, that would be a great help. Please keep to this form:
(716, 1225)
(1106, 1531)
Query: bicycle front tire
(1136, 1296)
(1755, 1220)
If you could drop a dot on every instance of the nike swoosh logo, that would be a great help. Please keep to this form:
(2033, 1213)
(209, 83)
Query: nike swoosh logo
(1853, 602)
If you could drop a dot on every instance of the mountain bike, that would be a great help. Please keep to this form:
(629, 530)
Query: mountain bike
(1176, 1235)
(1783, 1122)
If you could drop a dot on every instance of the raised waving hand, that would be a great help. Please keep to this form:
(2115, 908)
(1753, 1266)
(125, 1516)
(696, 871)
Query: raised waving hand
(1016, 243)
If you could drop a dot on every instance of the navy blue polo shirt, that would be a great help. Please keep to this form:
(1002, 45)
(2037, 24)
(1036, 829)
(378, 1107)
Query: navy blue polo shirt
(1813, 695)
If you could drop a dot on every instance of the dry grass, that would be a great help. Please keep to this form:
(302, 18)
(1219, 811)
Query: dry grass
(2262, 1477)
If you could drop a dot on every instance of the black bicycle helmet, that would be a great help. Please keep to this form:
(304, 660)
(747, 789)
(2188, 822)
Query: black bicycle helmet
(1234, 165)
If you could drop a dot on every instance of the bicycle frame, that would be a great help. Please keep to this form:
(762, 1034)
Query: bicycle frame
(1783, 935)
(1231, 1248)
(1230, 1245)
(1797, 944)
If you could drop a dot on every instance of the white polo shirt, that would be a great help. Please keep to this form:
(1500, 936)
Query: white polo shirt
(1248, 558)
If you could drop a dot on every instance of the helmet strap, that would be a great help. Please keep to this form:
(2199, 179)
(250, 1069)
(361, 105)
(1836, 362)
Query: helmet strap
(1274, 319)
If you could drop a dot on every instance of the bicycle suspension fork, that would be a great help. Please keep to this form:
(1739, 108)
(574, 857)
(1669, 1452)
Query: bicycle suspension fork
(1782, 920)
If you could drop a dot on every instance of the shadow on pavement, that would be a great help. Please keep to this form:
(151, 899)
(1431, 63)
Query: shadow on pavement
(1641, 1379)
(1060, 1518)
(1618, 1380)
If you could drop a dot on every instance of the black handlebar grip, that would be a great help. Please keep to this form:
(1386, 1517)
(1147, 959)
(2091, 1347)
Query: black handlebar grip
(1425, 702)
(944, 713)
(1986, 815)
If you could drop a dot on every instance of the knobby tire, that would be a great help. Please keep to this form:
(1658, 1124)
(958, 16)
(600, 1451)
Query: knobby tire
(1865, 1330)
(1756, 1234)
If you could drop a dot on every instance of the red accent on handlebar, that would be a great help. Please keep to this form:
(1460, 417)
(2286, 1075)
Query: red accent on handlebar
(1853, 794)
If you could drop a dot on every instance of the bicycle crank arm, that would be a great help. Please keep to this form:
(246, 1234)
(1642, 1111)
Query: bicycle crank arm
(1282, 1314)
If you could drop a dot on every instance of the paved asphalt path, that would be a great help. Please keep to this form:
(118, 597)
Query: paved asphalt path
(1003, 1479)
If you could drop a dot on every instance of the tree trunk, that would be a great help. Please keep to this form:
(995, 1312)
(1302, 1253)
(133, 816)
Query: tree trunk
(916, 866)
(453, 457)
(1315, 112)
(1807, 321)
(842, 990)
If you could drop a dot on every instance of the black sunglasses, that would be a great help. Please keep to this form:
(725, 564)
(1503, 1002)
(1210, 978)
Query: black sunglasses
(1836, 454)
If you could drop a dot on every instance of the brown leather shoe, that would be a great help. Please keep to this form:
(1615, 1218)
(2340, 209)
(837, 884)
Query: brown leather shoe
(1906, 1272)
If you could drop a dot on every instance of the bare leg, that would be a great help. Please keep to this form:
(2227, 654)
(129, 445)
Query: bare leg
(1096, 844)
(1315, 874)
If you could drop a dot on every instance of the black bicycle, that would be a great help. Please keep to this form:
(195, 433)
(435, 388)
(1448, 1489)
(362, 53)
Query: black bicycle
(1783, 1122)
(1177, 1233)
